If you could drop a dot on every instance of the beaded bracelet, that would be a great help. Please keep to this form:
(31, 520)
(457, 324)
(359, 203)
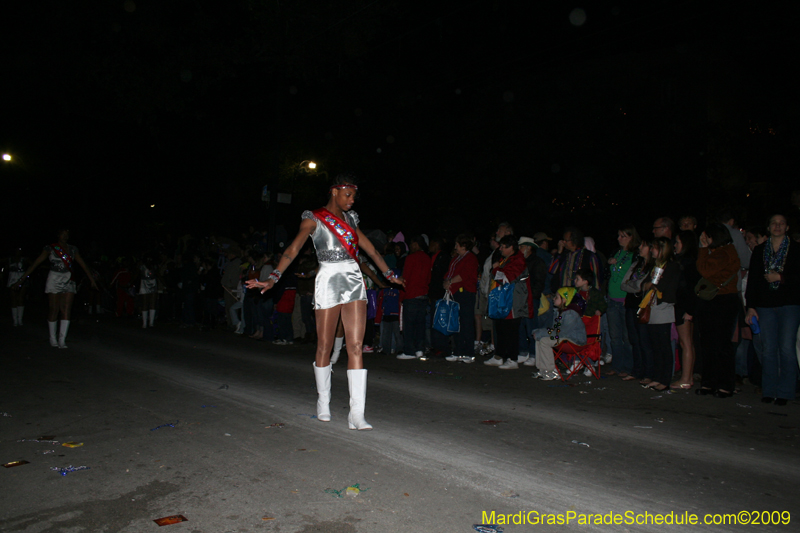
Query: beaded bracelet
(276, 275)
(388, 274)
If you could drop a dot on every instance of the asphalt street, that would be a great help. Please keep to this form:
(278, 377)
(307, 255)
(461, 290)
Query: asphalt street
(185, 422)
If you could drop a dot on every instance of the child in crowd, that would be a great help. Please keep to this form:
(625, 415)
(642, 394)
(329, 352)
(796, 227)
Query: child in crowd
(595, 303)
(566, 325)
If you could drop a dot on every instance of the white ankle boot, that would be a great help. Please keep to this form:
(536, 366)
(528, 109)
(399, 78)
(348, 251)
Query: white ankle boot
(323, 377)
(53, 327)
(357, 382)
(62, 335)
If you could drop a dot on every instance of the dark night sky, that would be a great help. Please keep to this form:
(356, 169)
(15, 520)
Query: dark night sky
(454, 114)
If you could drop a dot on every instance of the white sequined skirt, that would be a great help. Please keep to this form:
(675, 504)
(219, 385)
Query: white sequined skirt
(59, 282)
(338, 283)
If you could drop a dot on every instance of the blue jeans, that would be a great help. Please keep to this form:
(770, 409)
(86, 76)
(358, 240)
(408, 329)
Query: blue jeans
(618, 332)
(390, 331)
(263, 308)
(779, 358)
(414, 325)
(640, 344)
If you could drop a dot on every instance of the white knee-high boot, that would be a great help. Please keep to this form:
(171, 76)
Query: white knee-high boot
(337, 349)
(144, 319)
(152, 317)
(357, 382)
(53, 327)
(15, 316)
(62, 335)
(323, 377)
(20, 309)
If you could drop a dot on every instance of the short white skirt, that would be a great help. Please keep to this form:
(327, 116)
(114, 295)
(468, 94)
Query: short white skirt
(14, 277)
(148, 286)
(59, 282)
(338, 283)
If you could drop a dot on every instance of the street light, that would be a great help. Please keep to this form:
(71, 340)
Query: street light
(6, 157)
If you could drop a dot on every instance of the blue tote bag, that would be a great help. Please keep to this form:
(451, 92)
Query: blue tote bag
(501, 299)
(445, 317)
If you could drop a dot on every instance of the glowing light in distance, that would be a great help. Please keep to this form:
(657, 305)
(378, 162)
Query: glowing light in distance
(6, 157)
(312, 165)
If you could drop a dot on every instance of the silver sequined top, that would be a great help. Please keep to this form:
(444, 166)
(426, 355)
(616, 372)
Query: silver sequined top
(329, 249)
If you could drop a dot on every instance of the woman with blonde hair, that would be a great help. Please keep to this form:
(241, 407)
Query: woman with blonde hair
(662, 288)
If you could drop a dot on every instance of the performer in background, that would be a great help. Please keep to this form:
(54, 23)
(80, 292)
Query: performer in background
(60, 286)
(339, 290)
(16, 266)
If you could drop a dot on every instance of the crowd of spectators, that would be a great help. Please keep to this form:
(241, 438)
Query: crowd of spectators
(659, 328)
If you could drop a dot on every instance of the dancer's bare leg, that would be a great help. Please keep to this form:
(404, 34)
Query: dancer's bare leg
(354, 318)
(65, 304)
(53, 307)
(326, 331)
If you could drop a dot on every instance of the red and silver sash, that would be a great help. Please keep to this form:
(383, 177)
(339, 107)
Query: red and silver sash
(341, 230)
(64, 256)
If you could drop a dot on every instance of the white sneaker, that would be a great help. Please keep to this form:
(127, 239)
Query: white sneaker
(466, 359)
(531, 361)
(606, 358)
(574, 366)
(587, 373)
(452, 358)
(549, 375)
(486, 350)
(536, 375)
(510, 364)
(521, 358)
(405, 357)
(418, 354)
(494, 361)
(279, 342)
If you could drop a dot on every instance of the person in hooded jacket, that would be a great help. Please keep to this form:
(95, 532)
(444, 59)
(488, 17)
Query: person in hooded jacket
(567, 325)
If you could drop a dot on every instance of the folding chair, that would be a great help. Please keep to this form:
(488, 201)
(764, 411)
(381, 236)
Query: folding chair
(588, 353)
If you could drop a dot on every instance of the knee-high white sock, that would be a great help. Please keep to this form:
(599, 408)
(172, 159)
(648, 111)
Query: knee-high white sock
(62, 335)
(144, 318)
(53, 327)
(152, 317)
(337, 349)
(15, 315)
(20, 309)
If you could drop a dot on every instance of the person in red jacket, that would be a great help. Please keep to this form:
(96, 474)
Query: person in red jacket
(462, 281)
(507, 270)
(417, 273)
